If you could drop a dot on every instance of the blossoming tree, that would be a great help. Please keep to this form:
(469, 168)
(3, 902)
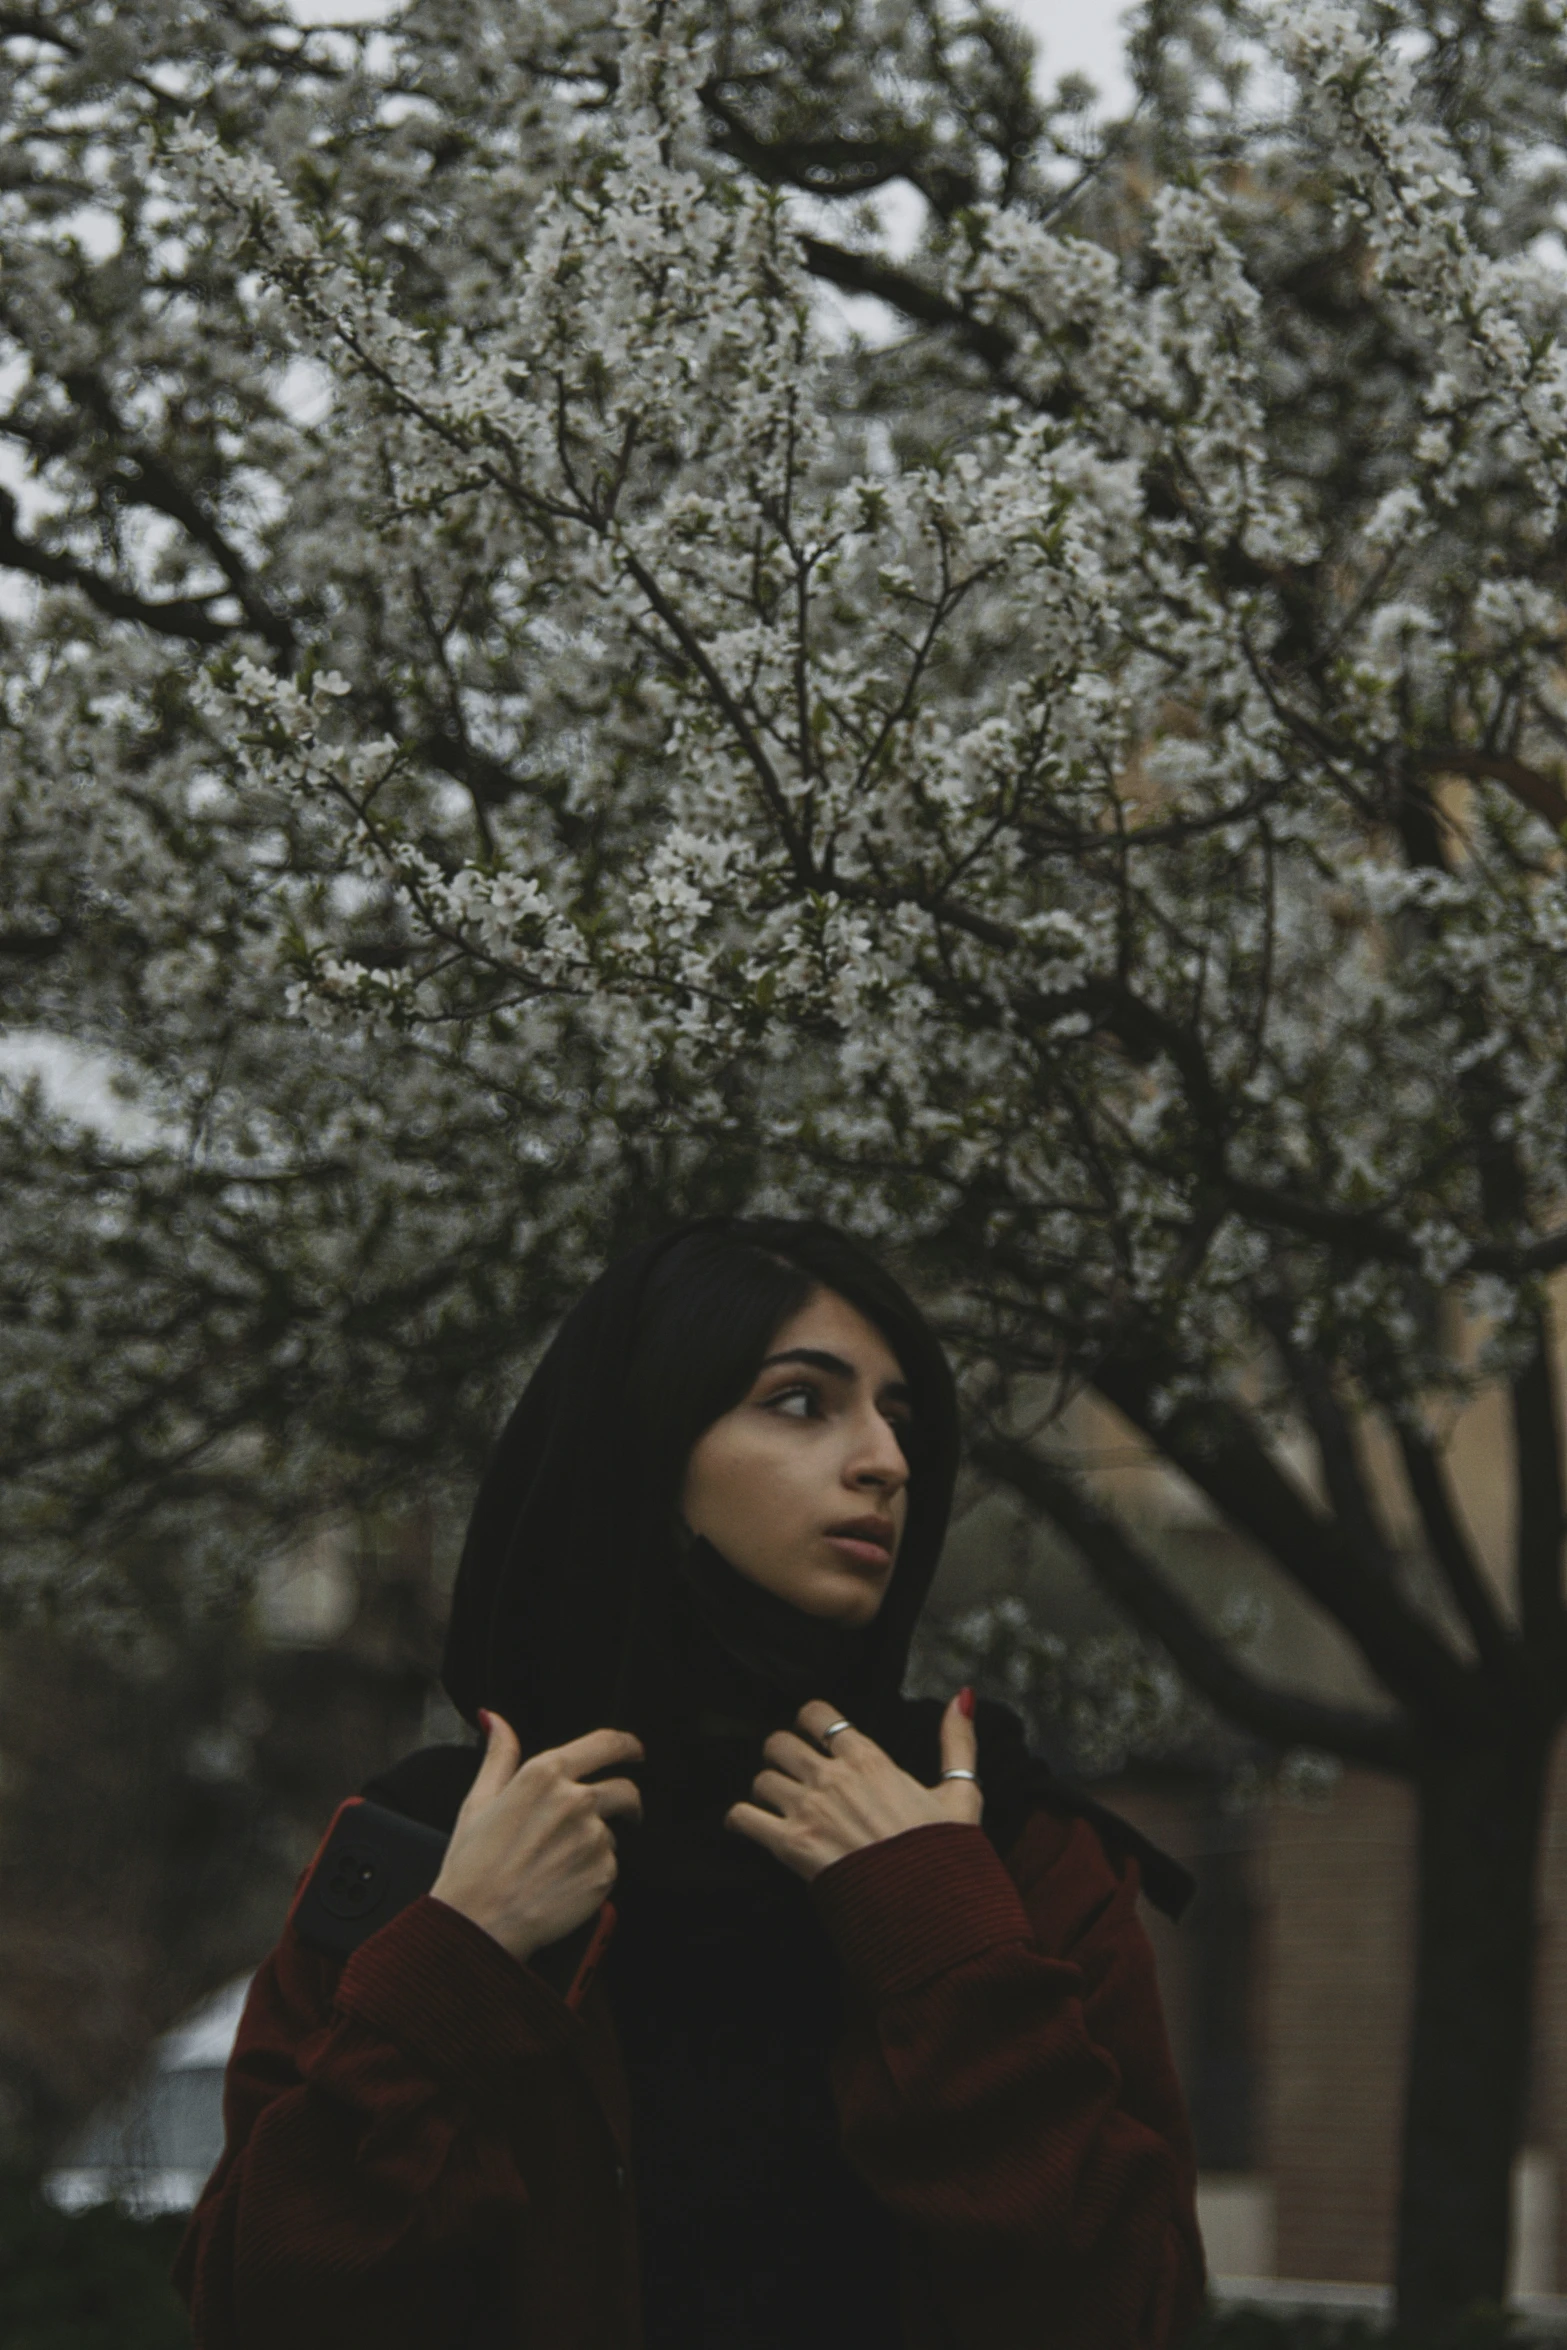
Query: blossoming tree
(1074, 793)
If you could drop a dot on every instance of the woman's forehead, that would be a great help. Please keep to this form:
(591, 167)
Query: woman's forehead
(829, 1324)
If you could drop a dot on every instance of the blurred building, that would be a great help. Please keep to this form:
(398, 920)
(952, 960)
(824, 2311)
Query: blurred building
(156, 2147)
(1287, 1992)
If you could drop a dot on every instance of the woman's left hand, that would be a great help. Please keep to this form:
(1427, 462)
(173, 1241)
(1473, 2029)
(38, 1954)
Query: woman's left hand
(836, 1799)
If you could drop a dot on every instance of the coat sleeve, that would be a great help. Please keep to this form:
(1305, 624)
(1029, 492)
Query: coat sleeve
(1005, 2087)
(367, 2175)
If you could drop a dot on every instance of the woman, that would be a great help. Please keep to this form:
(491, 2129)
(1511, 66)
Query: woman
(874, 2059)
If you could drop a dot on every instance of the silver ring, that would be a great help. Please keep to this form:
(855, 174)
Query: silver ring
(832, 1732)
(974, 1775)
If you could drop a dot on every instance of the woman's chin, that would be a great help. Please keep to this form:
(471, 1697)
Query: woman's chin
(831, 1588)
(846, 1597)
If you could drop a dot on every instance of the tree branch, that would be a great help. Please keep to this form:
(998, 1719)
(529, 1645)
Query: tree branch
(864, 273)
(696, 652)
(1450, 1547)
(1132, 1579)
(34, 946)
(1369, 1239)
(160, 488)
(1538, 1469)
(26, 24)
(1338, 1447)
(1536, 790)
(1231, 1466)
(841, 165)
(185, 617)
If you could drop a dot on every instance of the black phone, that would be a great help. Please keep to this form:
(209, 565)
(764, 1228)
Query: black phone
(372, 1862)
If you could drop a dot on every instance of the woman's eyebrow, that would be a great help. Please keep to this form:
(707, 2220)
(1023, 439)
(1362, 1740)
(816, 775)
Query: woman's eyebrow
(819, 1360)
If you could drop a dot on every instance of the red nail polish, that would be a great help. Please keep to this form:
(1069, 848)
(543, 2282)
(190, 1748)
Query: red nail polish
(966, 1704)
(486, 1721)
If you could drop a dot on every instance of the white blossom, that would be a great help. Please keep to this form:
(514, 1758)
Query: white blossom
(1099, 829)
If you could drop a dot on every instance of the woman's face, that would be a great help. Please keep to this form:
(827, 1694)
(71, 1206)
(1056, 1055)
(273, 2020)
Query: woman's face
(803, 1486)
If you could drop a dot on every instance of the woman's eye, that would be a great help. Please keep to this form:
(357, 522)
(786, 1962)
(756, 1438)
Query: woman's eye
(804, 1396)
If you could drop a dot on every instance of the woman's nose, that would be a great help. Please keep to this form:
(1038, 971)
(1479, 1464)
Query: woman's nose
(879, 1459)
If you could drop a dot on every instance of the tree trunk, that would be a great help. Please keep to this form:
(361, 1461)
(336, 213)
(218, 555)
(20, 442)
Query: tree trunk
(1480, 1820)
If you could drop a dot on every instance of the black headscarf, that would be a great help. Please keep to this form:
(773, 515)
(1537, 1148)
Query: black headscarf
(578, 1605)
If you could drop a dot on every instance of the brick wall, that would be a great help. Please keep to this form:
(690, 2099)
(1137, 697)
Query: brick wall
(1330, 1889)
(1336, 1888)
(1330, 1932)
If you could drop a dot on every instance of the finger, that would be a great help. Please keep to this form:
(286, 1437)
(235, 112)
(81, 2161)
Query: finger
(762, 1828)
(959, 1749)
(774, 1787)
(595, 1750)
(502, 1754)
(789, 1753)
(959, 1738)
(613, 1796)
(815, 1716)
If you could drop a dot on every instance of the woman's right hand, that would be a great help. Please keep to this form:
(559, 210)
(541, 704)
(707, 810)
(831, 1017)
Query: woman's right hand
(531, 1855)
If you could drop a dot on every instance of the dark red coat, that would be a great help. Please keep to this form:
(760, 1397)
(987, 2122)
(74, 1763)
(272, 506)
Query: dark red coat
(1003, 2083)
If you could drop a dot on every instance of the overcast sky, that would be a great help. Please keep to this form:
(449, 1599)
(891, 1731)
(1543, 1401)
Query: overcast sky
(1082, 37)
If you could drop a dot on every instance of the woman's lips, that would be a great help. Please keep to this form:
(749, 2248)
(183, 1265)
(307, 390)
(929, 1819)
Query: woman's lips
(862, 1553)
